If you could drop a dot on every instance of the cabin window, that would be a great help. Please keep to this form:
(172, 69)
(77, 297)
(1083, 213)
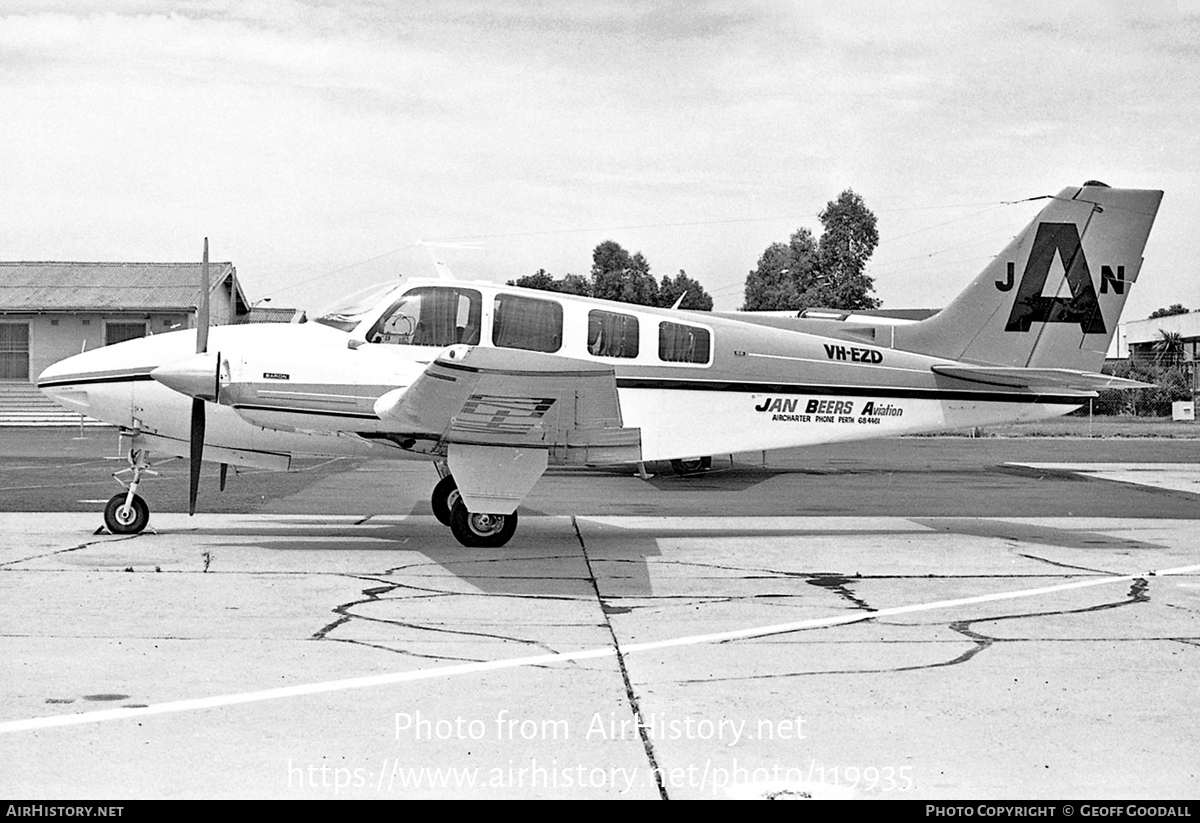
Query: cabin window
(612, 335)
(527, 323)
(678, 343)
(431, 316)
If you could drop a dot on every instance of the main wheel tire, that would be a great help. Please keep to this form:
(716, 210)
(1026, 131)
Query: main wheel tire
(119, 520)
(481, 531)
(693, 465)
(445, 495)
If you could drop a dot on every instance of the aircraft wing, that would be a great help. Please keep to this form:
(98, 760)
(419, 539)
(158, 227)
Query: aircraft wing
(1037, 378)
(517, 399)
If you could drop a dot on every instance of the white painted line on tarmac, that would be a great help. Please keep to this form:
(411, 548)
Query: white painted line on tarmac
(559, 657)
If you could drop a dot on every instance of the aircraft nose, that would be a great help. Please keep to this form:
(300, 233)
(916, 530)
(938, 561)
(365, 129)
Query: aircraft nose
(61, 383)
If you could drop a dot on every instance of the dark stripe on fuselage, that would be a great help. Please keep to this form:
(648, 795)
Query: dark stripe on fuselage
(679, 385)
(91, 381)
(314, 412)
(849, 391)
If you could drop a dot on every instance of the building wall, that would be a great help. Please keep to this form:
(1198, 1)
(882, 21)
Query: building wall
(1144, 334)
(53, 337)
(221, 307)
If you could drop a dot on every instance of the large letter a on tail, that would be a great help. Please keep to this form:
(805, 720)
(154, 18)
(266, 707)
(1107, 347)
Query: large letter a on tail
(1032, 306)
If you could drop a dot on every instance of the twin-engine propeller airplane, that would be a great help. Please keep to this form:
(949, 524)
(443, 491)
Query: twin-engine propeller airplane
(493, 383)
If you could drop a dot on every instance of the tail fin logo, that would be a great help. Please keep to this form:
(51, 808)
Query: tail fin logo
(1032, 306)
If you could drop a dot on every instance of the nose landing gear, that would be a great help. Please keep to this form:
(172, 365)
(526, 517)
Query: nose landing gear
(127, 513)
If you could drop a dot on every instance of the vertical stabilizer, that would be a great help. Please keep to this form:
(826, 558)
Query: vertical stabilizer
(1053, 297)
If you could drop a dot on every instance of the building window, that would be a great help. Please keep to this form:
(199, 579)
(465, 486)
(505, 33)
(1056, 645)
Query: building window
(120, 332)
(678, 343)
(527, 323)
(612, 335)
(14, 351)
(431, 316)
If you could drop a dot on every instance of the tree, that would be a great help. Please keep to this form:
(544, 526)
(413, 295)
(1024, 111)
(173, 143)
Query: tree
(849, 240)
(1166, 386)
(669, 290)
(1173, 309)
(786, 276)
(829, 273)
(571, 284)
(1169, 349)
(538, 280)
(575, 284)
(617, 275)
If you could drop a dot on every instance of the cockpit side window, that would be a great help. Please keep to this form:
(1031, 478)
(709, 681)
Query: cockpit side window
(611, 334)
(678, 343)
(527, 323)
(431, 316)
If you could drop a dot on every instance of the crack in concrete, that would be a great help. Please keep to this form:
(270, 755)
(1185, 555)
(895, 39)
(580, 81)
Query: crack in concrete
(89, 544)
(404, 652)
(1063, 565)
(839, 585)
(427, 592)
(630, 695)
(774, 574)
(377, 595)
(1137, 594)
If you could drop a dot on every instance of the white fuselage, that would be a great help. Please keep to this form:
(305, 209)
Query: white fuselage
(693, 384)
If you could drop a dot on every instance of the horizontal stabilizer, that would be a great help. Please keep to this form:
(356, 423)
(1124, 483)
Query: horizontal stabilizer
(1035, 378)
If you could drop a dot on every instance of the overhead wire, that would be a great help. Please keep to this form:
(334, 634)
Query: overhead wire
(992, 206)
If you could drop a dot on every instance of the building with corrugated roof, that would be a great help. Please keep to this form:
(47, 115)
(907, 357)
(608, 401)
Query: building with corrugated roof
(49, 311)
(271, 314)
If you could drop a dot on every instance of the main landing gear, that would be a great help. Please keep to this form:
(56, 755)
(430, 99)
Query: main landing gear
(127, 513)
(477, 531)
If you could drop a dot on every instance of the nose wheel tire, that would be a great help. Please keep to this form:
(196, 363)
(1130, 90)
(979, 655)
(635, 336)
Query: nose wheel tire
(120, 519)
(445, 495)
(481, 531)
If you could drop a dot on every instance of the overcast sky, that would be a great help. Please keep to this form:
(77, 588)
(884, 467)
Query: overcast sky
(314, 143)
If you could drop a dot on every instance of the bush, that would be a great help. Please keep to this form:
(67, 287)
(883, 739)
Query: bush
(1170, 384)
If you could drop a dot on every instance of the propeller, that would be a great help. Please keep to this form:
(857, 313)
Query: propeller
(196, 445)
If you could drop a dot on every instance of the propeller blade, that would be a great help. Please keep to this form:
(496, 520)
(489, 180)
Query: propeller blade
(196, 453)
(224, 474)
(202, 310)
(196, 444)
